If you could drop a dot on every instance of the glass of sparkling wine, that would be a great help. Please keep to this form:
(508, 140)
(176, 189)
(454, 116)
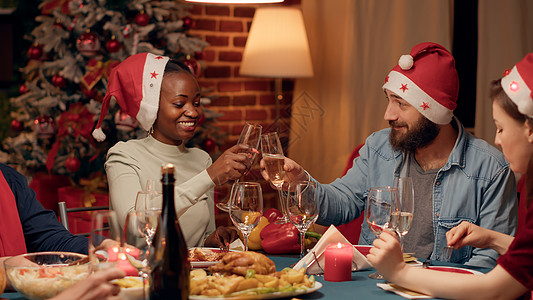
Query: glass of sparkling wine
(274, 161)
(104, 241)
(378, 212)
(403, 208)
(246, 207)
(302, 207)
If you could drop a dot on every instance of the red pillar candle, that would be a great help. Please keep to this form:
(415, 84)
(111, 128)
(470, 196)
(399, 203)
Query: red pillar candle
(126, 266)
(112, 253)
(338, 262)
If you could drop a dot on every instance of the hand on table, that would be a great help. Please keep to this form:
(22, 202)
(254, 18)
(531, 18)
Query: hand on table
(386, 255)
(96, 286)
(222, 237)
(293, 171)
(230, 165)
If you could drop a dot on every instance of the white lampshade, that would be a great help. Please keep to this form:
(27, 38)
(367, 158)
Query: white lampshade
(277, 45)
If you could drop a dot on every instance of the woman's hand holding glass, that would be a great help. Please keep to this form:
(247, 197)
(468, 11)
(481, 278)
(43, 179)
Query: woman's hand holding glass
(302, 207)
(246, 207)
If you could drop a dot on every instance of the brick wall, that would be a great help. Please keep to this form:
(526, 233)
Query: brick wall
(240, 99)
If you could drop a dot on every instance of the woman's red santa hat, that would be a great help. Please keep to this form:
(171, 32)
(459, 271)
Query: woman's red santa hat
(135, 84)
(517, 83)
(427, 79)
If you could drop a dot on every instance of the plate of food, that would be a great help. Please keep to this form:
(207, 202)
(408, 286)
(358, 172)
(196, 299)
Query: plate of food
(131, 288)
(249, 275)
(455, 270)
(205, 257)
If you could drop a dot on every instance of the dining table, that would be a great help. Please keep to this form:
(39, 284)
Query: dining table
(359, 287)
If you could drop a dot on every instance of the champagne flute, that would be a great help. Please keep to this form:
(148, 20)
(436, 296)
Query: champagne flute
(136, 242)
(378, 212)
(274, 161)
(302, 207)
(251, 136)
(403, 208)
(148, 200)
(104, 240)
(246, 207)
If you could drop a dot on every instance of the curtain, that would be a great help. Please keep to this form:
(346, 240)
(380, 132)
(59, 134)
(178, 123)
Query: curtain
(505, 37)
(354, 44)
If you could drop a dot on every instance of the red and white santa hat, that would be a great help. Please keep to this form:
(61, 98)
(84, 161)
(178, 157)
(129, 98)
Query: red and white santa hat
(427, 79)
(135, 84)
(517, 83)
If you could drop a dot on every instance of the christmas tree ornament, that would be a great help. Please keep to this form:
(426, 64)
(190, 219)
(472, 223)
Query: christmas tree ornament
(44, 126)
(88, 44)
(58, 24)
(188, 23)
(126, 31)
(59, 81)
(124, 122)
(89, 93)
(72, 164)
(17, 125)
(142, 19)
(209, 144)
(194, 66)
(35, 51)
(23, 89)
(113, 45)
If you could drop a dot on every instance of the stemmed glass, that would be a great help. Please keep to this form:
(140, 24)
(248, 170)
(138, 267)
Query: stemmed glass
(302, 207)
(378, 212)
(246, 207)
(148, 200)
(251, 136)
(274, 161)
(136, 242)
(403, 208)
(104, 240)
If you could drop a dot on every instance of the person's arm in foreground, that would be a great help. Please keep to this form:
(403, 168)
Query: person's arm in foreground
(96, 286)
(387, 258)
(470, 234)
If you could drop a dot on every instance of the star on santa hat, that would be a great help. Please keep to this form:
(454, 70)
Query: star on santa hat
(154, 74)
(404, 87)
(425, 105)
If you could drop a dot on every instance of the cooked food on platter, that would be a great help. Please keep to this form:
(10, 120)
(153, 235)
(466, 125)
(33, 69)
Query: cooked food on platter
(205, 254)
(240, 262)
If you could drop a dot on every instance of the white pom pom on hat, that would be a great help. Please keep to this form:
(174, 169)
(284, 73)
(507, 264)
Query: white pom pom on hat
(406, 62)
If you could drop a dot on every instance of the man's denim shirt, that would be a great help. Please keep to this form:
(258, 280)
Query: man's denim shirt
(475, 185)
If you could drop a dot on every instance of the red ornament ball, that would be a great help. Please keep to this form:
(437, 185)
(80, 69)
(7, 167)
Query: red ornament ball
(142, 19)
(194, 66)
(88, 44)
(72, 164)
(35, 51)
(45, 126)
(59, 81)
(188, 23)
(17, 125)
(209, 145)
(113, 45)
(23, 89)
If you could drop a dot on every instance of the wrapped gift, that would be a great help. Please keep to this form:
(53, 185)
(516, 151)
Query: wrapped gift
(45, 186)
(80, 222)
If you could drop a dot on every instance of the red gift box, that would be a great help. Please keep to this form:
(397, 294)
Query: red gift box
(45, 187)
(80, 222)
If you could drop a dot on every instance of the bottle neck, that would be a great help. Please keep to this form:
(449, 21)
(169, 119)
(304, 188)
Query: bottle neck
(167, 182)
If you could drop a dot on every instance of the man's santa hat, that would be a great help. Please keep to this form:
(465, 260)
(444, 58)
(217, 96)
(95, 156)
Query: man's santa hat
(135, 84)
(427, 79)
(517, 83)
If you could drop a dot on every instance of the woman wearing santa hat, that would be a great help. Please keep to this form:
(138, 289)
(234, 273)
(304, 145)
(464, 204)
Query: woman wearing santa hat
(512, 277)
(165, 98)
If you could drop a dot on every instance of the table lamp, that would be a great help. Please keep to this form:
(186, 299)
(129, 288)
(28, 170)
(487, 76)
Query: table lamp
(277, 47)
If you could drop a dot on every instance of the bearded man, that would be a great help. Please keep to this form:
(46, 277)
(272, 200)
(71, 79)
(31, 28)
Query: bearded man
(457, 177)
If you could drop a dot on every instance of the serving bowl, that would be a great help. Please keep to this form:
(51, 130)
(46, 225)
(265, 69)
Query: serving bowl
(42, 275)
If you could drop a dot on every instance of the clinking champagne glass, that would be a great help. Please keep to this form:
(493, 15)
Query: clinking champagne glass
(403, 208)
(378, 212)
(246, 207)
(136, 242)
(274, 161)
(251, 136)
(148, 200)
(302, 207)
(104, 240)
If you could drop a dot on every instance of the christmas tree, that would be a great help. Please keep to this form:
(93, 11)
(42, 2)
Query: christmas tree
(76, 43)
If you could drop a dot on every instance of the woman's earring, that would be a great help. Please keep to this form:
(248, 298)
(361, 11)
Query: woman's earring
(151, 130)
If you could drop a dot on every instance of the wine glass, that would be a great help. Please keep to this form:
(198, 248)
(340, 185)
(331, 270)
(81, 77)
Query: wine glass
(378, 212)
(136, 242)
(403, 208)
(302, 207)
(104, 240)
(274, 161)
(148, 200)
(246, 207)
(251, 136)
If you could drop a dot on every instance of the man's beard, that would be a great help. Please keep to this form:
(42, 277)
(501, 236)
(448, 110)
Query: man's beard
(421, 135)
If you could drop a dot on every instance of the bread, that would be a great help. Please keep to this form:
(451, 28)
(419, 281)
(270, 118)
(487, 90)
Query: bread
(239, 262)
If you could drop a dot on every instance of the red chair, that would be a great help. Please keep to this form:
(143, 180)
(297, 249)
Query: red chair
(352, 230)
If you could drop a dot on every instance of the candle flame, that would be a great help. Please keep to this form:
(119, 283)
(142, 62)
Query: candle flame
(339, 245)
(122, 256)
